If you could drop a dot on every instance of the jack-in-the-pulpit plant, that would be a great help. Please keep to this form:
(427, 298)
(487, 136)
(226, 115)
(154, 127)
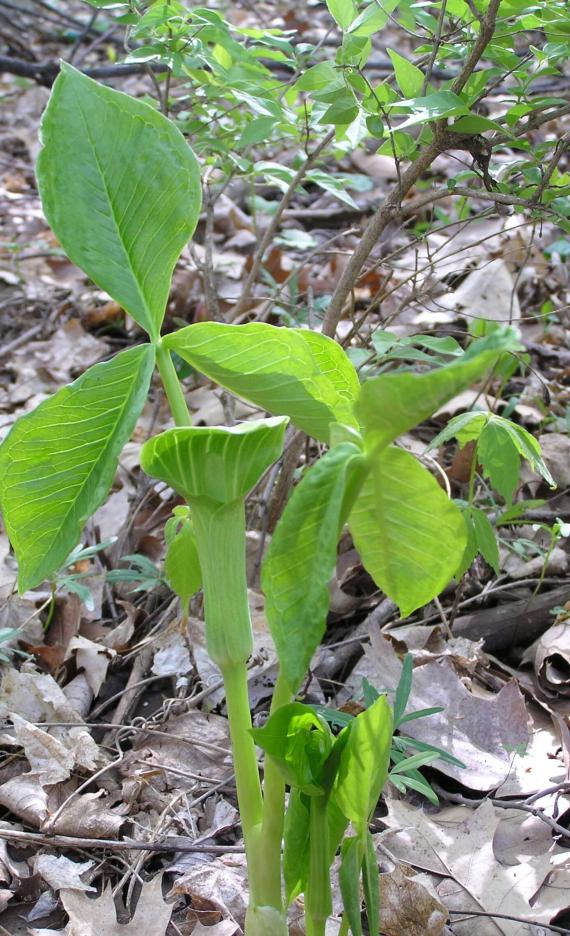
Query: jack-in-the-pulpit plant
(121, 189)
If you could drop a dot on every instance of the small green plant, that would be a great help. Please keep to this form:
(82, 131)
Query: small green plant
(121, 189)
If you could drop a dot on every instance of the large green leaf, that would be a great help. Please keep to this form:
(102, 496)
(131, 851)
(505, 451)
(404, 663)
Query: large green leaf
(301, 559)
(364, 763)
(343, 11)
(410, 536)
(220, 464)
(394, 403)
(58, 462)
(287, 371)
(121, 189)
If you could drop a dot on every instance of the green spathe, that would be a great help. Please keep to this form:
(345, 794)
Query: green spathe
(217, 464)
(123, 220)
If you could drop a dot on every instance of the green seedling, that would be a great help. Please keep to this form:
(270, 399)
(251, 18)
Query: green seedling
(121, 189)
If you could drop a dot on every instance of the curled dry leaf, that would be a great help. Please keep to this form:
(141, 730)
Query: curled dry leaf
(25, 798)
(552, 659)
(219, 886)
(88, 917)
(50, 760)
(8, 865)
(60, 872)
(408, 904)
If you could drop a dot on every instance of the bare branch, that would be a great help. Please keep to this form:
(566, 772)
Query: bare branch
(392, 204)
(271, 231)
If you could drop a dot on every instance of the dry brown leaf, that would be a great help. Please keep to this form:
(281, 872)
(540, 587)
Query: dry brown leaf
(486, 293)
(408, 905)
(25, 797)
(192, 744)
(552, 659)
(225, 928)
(98, 918)
(482, 732)
(93, 659)
(172, 655)
(34, 696)
(50, 760)
(59, 872)
(458, 843)
(556, 453)
(518, 568)
(89, 816)
(219, 885)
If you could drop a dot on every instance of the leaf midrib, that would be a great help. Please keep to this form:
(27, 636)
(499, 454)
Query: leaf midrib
(150, 322)
(95, 463)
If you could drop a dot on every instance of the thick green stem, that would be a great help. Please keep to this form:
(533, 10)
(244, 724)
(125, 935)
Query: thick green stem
(172, 387)
(245, 766)
(318, 897)
(274, 807)
(220, 537)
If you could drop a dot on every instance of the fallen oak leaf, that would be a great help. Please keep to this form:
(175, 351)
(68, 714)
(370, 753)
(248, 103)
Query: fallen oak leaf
(97, 917)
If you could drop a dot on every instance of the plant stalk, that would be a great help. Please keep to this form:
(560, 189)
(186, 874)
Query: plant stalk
(274, 807)
(172, 388)
(318, 898)
(220, 537)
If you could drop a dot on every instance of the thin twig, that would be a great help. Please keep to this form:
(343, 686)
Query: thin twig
(378, 223)
(506, 916)
(71, 841)
(273, 227)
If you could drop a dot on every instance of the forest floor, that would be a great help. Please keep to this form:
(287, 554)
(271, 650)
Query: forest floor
(137, 752)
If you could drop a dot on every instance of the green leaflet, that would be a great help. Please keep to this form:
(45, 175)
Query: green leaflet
(394, 403)
(500, 445)
(296, 844)
(485, 537)
(343, 12)
(58, 462)
(349, 881)
(218, 464)
(291, 371)
(299, 741)
(410, 536)
(123, 220)
(182, 564)
(371, 884)
(301, 559)
(364, 763)
(409, 77)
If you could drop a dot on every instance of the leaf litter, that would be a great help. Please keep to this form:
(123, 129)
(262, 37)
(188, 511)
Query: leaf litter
(156, 773)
